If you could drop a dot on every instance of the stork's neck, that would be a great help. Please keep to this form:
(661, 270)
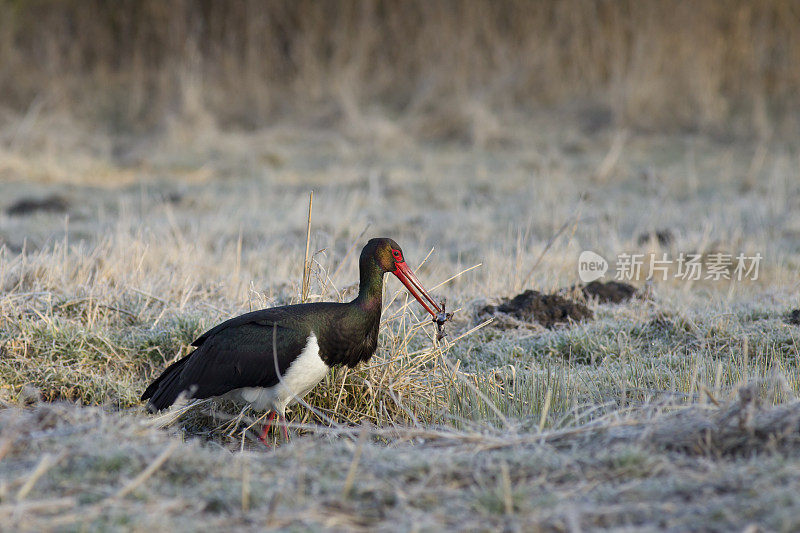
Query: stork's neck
(370, 288)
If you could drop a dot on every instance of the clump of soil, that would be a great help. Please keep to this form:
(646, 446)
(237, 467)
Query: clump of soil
(664, 237)
(26, 206)
(612, 292)
(669, 324)
(609, 292)
(534, 307)
(173, 197)
(12, 247)
(661, 321)
(793, 317)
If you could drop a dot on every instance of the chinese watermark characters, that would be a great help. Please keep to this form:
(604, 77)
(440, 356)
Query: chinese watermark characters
(715, 266)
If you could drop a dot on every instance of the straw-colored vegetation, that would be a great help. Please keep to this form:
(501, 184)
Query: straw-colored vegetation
(176, 156)
(443, 69)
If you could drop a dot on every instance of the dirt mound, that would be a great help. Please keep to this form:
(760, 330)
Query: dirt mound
(26, 206)
(793, 317)
(664, 237)
(534, 307)
(609, 292)
(549, 310)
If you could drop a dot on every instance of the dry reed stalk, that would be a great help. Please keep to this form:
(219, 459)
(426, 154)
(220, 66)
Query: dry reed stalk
(573, 219)
(351, 472)
(147, 472)
(306, 263)
(45, 463)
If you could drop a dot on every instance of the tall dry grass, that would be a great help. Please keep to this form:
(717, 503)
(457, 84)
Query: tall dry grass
(449, 64)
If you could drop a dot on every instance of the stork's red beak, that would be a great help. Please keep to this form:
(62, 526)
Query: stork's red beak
(409, 279)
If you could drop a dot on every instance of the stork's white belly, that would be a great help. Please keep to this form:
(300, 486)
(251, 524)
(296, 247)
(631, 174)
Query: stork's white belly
(302, 375)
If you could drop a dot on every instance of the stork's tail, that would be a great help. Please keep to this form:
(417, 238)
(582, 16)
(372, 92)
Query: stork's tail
(163, 392)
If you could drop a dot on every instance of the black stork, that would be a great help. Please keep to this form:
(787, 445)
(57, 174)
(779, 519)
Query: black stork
(272, 357)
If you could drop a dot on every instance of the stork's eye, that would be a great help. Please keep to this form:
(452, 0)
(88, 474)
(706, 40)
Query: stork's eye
(397, 255)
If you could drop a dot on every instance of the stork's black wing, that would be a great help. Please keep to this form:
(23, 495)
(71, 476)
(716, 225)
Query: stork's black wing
(238, 353)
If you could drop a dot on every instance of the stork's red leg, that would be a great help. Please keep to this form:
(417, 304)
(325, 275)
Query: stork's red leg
(283, 425)
(263, 437)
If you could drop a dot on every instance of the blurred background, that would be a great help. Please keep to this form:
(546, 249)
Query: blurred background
(480, 127)
(444, 70)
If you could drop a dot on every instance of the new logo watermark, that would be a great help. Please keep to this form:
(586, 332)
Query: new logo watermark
(591, 266)
(686, 266)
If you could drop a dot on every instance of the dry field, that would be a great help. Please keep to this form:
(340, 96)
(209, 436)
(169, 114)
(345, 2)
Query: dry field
(676, 411)
(156, 161)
